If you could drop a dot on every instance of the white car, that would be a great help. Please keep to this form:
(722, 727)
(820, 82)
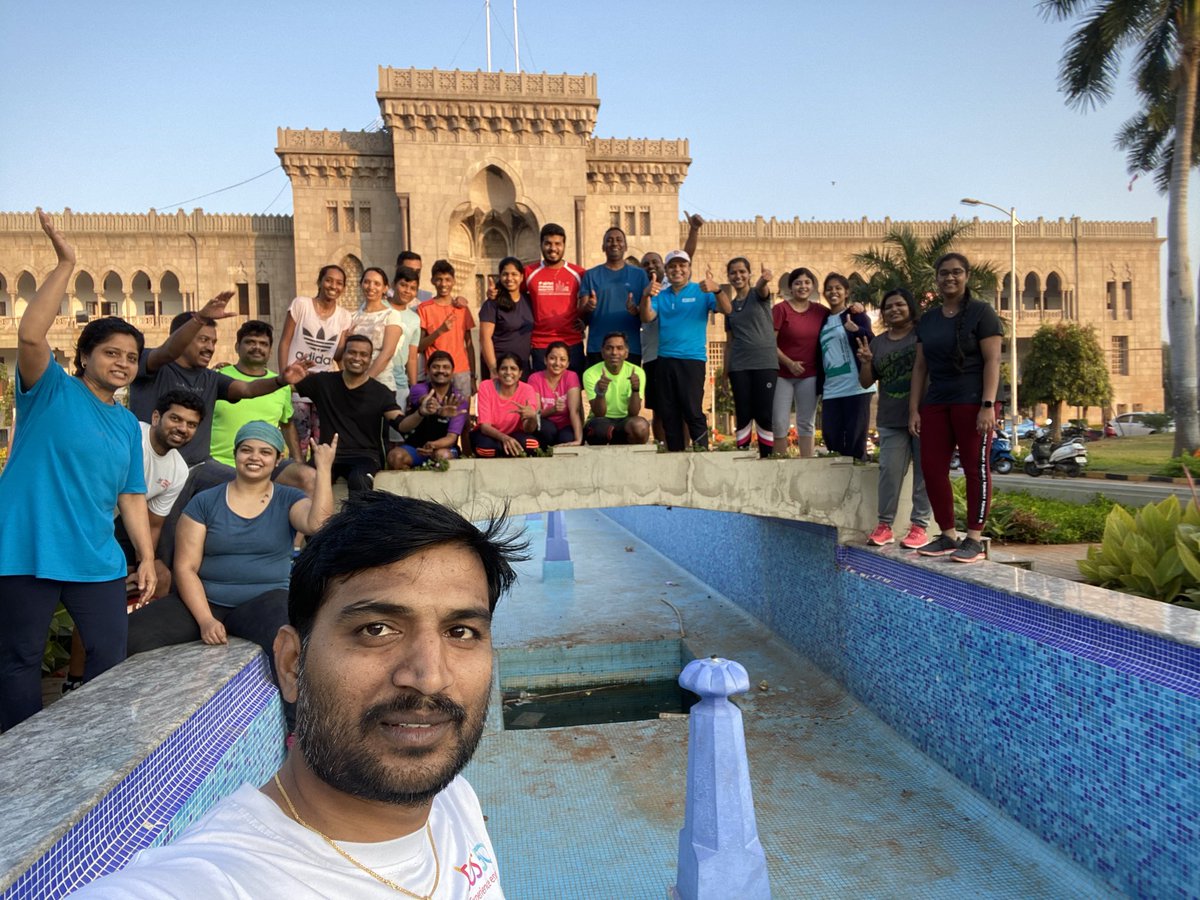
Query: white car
(1133, 424)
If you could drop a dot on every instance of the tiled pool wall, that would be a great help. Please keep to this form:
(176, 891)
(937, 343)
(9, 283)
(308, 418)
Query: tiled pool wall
(585, 664)
(236, 736)
(1086, 733)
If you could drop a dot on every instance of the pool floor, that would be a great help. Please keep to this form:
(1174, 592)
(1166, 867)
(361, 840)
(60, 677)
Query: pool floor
(845, 806)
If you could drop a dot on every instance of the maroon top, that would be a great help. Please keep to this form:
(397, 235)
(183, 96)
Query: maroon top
(798, 335)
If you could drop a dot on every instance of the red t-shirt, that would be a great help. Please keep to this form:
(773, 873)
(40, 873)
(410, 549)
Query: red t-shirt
(555, 296)
(798, 335)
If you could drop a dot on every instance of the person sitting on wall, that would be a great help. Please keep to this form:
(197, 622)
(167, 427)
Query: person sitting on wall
(391, 695)
(614, 389)
(354, 406)
(560, 391)
(435, 421)
(508, 419)
(171, 427)
(233, 551)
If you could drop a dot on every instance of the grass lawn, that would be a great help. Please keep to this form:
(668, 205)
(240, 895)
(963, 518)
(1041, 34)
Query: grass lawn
(1131, 455)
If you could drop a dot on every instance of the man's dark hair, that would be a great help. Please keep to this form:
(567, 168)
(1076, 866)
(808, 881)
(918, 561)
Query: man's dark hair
(405, 256)
(405, 273)
(361, 338)
(180, 397)
(437, 356)
(180, 320)
(615, 228)
(376, 529)
(550, 229)
(442, 266)
(97, 331)
(256, 327)
(615, 334)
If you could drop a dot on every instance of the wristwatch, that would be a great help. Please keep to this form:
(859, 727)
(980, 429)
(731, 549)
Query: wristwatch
(987, 404)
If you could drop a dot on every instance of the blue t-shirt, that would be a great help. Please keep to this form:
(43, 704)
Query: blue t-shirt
(612, 288)
(683, 321)
(72, 455)
(244, 557)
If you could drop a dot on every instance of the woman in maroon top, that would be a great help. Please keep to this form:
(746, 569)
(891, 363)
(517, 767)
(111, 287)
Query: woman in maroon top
(797, 321)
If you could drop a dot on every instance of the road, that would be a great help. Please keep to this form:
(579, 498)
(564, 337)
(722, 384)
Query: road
(1080, 490)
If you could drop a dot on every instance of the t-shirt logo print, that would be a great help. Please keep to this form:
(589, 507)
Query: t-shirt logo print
(318, 341)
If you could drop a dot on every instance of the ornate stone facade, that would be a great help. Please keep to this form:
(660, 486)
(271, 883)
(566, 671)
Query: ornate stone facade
(469, 167)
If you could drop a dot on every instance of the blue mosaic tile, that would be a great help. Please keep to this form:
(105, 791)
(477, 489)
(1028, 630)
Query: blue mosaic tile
(157, 796)
(1084, 732)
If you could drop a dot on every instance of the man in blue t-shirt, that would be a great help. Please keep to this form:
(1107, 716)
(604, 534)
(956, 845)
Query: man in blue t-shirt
(612, 292)
(681, 310)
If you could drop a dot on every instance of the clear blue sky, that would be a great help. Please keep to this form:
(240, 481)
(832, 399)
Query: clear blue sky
(821, 110)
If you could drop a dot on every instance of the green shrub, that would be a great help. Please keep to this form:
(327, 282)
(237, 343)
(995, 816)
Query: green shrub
(1153, 553)
(58, 645)
(1025, 519)
(1174, 467)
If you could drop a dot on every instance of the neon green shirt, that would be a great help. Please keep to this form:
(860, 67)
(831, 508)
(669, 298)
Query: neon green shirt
(275, 407)
(616, 405)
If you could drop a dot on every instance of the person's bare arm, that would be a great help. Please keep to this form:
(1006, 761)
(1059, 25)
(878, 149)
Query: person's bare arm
(285, 341)
(189, 554)
(487, 349)
(260, 387)
(33, 349)
(291, 439)
(866, 371)
(635, 398)
(172, 348)
(391, 340)
(990, 348)
(647, 310)
(574, 410)
(916, 391)
(410, 365)
(309, 514)
(695, 223)
(135, 516)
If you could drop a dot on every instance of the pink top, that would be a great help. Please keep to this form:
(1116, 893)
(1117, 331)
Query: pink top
(550, 396)
(501, 412)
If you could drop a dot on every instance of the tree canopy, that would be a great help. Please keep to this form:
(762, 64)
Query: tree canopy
(1065, 365)
(906, 261)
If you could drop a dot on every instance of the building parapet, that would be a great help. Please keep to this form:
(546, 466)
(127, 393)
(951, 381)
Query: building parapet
(877, 229)
(300, 140)
(179, 222)
(454, 83)
(638, 149)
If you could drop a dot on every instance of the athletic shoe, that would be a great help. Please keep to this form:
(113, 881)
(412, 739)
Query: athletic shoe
(881, 535)
(71, 684)
(915, 539)
(942, 545)
(969, 551)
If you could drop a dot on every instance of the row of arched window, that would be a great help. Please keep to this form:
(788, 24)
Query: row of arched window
(100, 298)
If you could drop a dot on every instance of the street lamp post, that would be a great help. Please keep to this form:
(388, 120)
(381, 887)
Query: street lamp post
(1011, 212)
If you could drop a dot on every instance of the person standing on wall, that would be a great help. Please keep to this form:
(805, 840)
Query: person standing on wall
(751, 361)
(612, 291)
(681, 309)
(798, 321)
(845, 404)
(889, 359)
(553, 288)
(952, 403)
(75, 458)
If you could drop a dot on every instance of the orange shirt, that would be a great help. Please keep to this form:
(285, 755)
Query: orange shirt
(454, 341)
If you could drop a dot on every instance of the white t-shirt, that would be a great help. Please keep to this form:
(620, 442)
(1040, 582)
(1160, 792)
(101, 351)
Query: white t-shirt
(315, 338)
(373, 325)
(165, 475)
(410, 338)
(246, 847)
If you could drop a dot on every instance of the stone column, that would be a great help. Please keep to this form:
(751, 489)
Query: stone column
(719, 852)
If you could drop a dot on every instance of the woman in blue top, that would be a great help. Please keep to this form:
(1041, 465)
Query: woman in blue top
(233, 550)
(76, 456)
(845, 404)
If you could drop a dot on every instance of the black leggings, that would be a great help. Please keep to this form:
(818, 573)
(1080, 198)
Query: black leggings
(26, 607)
(844, 424)
(489, 448)
(753, 394)
(359, 474)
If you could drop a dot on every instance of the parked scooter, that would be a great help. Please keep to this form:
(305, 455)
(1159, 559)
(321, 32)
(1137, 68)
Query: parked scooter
(1000, 460)
(1069, 456)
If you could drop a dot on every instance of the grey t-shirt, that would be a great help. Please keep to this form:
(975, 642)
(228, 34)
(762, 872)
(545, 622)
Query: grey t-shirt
(208, 384)
(751, 335)
(892, 362)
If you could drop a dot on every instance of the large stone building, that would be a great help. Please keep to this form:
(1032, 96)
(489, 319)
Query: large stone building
(470, 165)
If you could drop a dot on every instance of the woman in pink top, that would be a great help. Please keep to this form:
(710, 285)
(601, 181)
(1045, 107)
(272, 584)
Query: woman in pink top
(798, 321)
(507, 409)
(559, 391)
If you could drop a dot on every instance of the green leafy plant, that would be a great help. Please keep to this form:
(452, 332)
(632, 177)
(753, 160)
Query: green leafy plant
(1144, 553)
(58, 645)
(1180, 466)
(1022, 518)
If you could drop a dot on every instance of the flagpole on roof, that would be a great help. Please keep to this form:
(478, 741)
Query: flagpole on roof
(487, 14)
(516, 38)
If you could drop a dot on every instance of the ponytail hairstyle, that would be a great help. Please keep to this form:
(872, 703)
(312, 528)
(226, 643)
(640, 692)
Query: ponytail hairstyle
(959, 354)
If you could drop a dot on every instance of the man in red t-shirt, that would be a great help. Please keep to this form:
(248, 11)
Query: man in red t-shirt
(553, 287)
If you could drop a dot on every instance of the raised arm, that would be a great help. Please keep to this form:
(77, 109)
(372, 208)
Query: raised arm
(172, 348)
(695, 223)
(866, 371)
(260, 387)
(33, 350)
(309, 514)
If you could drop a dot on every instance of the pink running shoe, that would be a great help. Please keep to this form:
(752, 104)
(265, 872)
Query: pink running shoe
(915, 538)
(881, 535)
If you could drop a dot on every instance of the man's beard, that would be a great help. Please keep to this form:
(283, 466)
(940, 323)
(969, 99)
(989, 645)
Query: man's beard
(336, 750)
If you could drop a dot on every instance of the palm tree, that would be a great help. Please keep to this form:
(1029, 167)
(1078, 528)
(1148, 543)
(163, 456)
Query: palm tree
(1165, 35)
(905, 261)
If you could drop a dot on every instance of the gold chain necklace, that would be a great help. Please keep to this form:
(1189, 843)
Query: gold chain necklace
(437, 868)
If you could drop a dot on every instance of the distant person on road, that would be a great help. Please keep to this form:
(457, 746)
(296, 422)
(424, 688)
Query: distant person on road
(955, 378)
(889, 358)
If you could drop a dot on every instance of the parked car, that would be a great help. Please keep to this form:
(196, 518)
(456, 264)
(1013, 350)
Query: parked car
(1134, 423)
